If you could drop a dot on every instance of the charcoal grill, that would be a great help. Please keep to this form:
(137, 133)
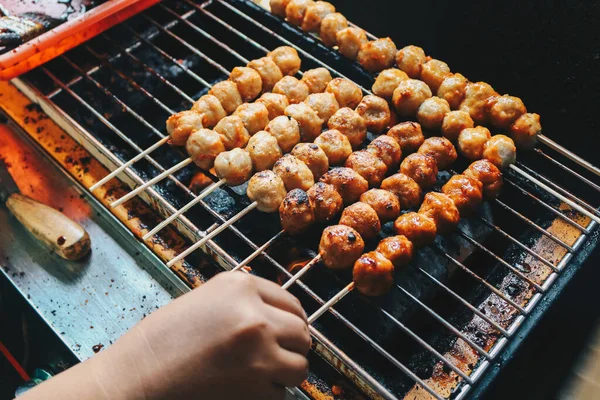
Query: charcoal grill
(113, 95)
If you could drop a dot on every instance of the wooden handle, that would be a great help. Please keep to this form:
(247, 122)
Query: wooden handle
(57, 231)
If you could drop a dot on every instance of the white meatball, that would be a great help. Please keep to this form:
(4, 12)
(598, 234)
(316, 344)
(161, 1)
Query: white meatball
(525, 130)
(296, 9)
(255, 116)
(182, 124)
(475, 101)
(330, 26)
(308, 119)
(313, 156)
(228, 95)
(433, 73)
(203, 146)
(410, 59)
(316, 79)
(409, 95)
(233, 132)
(431, 112)
(346, 92)
(335, 145)
(267, 190)
(471, 142)
(324, 104)
(294, 173)
(452, 89)
(287, 59)
(264, 151)
(454, 122)
(376, 113)
(387, 81)
(500, 150)
(314, 15)
(351, 124)
(235, 166)
(286, 130)
(349, 41)
(248, 81)
(269, 72)
(275, 103)
(211, 109)
(296, 91)
(377, 55)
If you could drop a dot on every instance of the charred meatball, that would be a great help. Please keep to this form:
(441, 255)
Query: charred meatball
(488, 174)
(278, 7)
(368, 165)
(275, 103)
(267, 189)
(442, 210)
(340, 247)
(363, 218)
(269, 72)
(409, 136)
(409, 95)
(373, 274)
(410, 59)
(465, 192)
(228, 95)
(525, 130)
(325, 201)
(377, 55)
(345, 91)
(316, 79)
(385, 204)
(286, 130)
(351, 124)
(347, 182)
(182, 124)
(235, 166)
(233, 132)
(349, 41)
(263, 150)
(295, 213)
(454, 122)
(375, 111)
(295, 90)
(418, 228)
(315, 14)
(387, 149)
(433, 73)
(398, 249)
(248, 82)
(330, 25)
(500, 150)
(441, 149)
(475, 100)
(255, 116)
(307, 118)
(387, 81)
(324, 104)
(431, 113)
(471, 142)
(313, 156)
(296, 10)
(421, 168)
(335, 145)
(505, 110)
(452, 89)
(294, 173)
(203, 146)
(287, 59)
(405, 188)
(211, 109)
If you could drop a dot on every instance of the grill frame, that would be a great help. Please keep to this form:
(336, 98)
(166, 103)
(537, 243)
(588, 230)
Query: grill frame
(222, 257)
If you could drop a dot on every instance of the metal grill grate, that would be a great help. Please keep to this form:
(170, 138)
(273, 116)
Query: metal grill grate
(114, 94)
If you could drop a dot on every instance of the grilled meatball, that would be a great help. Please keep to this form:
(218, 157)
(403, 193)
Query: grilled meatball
(211, 109)
(505, 110)
(294, 173)
(375, 111)
(471, 142)
(441, 149)
(233, 132)
(368, 165)
(409, 136)
(431, 113)
(278, 7)
(387, 149)
(182, 124)
(350, 124)
(452, 89)
(409, 95)
(255, 116)
(324, 104)
(296, 10)
(286, 130)
(248, 81)
(475, 100)
(525, 130)
(347, 182)
(421, 168)
(330, 26)
(228, 95)
(204, 145)
(325, 201)
(500, 150)
(269, 72)
(405, 188)
(410, 59)
(264, 150)
(235, 166)
(387, 81)
(465, 192)
(307, 118)
(433, 73)
(340, 247)
(267, 189)
(377, 55)
(313, 156)
(295, 90)
(442, 210)
(275, 103)
(454, 122)
(488, 174)
(287, 59)
(418, 228)
(398, 249)
(315, 14)
(363, 218)
(349, 41)
(385, 204)
(295, 213)
(345, 91)
(335, 145)
(316, 79)
(373, 274)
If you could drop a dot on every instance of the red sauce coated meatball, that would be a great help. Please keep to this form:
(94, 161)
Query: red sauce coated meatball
(421, 168)
(340, 246)
(465, 192)
(418, 228)
(398, 249)
(373, 274)
(442, 210)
